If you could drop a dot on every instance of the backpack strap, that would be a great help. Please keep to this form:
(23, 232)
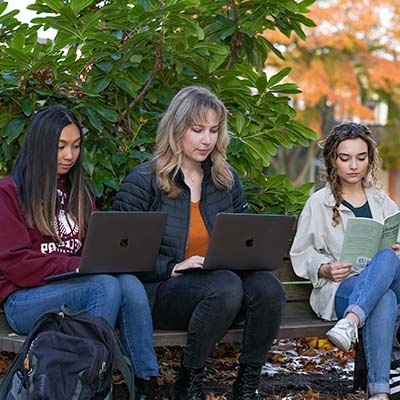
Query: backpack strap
(124, 365)
(18, 362)
(6, 384)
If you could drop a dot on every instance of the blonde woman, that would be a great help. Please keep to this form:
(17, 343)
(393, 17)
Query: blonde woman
(190, 178)
(363, 298)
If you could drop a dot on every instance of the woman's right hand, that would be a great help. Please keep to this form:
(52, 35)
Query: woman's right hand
(336, 272)
(189, 263)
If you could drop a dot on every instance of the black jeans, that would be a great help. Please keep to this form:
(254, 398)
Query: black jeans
(207, 303)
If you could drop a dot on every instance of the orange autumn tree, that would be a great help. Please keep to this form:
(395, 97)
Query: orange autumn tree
(349, 63)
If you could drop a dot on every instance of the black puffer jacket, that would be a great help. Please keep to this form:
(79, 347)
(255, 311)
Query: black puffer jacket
(139, 192)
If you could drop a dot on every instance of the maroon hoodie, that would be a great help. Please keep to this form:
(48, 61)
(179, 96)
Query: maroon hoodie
(27, 256)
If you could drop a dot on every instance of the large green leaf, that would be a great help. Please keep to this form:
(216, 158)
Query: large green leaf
(126, 85)
(18, 56)
(79, 5)
(3, 6)
(290, 88)
(18, 41)
(55, 5)
(102, 84)
(7, 17)
(27, 106)
(278, 77)
(14, 129)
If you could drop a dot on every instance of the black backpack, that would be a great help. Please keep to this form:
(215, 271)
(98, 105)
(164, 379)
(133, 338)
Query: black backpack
(67, 356)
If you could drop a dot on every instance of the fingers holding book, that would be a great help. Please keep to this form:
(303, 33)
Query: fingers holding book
(396, 248)
(336, 271)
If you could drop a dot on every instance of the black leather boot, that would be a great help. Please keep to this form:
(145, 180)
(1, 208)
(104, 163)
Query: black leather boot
(189, 384)
(144, 388)
(246, 384)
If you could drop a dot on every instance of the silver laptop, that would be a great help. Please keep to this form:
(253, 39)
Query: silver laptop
(120, 241)
(248, 241)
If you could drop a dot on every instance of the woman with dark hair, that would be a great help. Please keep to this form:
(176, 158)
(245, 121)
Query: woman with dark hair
(44, 213)
(190, 179)
(364, 298)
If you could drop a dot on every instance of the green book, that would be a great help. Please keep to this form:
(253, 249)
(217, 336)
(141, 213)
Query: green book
(364, 237)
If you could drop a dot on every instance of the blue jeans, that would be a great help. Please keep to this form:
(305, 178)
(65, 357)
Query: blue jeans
(373, 296)
(120, 299)
(207, 303)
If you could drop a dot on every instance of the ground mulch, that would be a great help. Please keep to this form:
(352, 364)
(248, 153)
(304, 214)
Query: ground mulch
(308, 368)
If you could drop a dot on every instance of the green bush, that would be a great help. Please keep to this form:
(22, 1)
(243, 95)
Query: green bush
(118, 63)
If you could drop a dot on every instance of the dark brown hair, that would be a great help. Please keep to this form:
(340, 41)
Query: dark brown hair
(35, 173)
(346, 131)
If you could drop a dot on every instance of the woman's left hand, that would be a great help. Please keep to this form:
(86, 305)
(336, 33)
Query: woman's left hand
(189, 263)
(396, 248)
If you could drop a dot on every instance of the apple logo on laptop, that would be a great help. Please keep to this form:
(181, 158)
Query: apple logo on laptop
(249, 242)
(124, 241)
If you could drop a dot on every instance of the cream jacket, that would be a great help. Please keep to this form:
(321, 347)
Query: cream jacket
(318, 242)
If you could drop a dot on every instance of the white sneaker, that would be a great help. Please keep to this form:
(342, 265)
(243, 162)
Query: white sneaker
(343, 334)
(378, 398)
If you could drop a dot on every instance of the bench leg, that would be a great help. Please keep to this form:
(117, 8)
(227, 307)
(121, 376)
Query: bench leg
(360, 366)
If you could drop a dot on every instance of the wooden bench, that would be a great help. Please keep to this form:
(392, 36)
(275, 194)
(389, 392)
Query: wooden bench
(298, 320)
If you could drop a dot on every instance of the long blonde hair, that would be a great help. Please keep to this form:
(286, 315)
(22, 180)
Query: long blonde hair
(190, 105)
(345, 131)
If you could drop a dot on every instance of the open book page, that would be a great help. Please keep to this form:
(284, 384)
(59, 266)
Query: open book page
(361, 241)
(390, 230)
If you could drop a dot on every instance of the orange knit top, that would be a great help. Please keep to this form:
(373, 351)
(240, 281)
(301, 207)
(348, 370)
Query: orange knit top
(198, 236)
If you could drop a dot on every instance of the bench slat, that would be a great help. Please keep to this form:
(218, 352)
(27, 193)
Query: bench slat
(298, 321)
(298, 293)
(286, 274)
(289, 329)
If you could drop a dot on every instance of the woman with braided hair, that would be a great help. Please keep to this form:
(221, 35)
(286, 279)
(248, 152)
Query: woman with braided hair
(362, 298)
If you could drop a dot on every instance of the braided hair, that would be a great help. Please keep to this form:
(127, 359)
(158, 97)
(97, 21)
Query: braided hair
(345, 131)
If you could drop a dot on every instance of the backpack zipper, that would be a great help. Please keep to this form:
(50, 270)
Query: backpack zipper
(26, 359)
(102, 372)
